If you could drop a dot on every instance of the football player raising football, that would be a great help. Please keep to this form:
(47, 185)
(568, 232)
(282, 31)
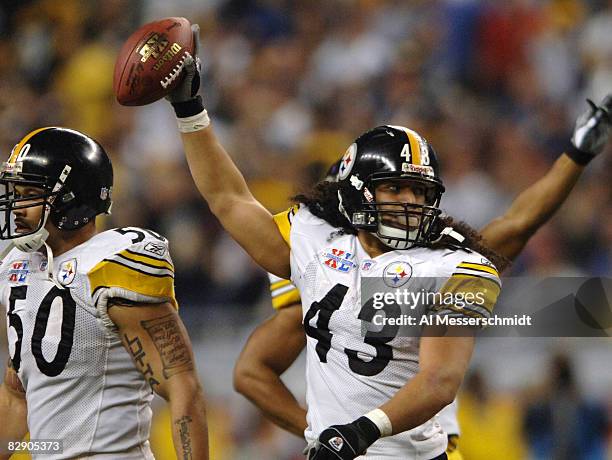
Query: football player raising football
(278, 341)
(372, 394)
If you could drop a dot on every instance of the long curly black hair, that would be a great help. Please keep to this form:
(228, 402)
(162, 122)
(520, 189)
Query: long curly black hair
(322, 201)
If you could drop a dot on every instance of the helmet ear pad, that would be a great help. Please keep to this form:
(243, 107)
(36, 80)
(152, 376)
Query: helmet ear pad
(351, 202)
(72, 216)
(75, 207)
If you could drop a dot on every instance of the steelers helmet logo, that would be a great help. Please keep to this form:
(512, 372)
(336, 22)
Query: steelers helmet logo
(397, 274)
(347, 162)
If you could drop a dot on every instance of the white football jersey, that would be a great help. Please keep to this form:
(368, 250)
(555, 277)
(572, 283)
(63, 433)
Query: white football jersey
(351, 372)
(80, 382)
(285, 294)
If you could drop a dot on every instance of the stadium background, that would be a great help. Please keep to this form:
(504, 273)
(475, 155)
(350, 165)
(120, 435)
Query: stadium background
(495, 87)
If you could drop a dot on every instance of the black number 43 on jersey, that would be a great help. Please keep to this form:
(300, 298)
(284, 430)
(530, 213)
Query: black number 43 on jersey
(378, 339)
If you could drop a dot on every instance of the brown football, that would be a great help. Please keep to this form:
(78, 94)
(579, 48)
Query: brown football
(149, 64)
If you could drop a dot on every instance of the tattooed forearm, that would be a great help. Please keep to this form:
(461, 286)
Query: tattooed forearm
(185, 435)
(168, 339)
(137, 351)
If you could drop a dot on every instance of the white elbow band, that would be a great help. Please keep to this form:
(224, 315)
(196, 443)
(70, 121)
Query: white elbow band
(194, 122)
(380, 419)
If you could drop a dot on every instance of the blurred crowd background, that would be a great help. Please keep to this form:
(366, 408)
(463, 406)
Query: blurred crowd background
(495, 87)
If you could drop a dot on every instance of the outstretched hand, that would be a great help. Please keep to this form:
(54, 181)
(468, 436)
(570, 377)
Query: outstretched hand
(592, 129)
(189, 86)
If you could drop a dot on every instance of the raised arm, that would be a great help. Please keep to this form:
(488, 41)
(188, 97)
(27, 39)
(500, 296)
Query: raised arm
(13, 407)
(219, 180)
(509, 233)
(156, 338)
(269, 352)
(231, 201)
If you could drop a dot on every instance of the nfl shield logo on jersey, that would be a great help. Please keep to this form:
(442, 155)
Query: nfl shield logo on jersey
(397, 274)
(67, 272)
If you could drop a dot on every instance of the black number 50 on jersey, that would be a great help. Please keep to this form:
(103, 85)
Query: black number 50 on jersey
(58, 364)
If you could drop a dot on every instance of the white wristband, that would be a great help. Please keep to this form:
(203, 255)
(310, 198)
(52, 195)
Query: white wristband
(194, 122)
(381, 420)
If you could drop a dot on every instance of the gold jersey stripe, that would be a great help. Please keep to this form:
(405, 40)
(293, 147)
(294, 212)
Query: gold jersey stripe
(479, 267)
(283, 222)
(108, 273)
(286, 299)
(23, 142)
(279, 284)
(147, 260)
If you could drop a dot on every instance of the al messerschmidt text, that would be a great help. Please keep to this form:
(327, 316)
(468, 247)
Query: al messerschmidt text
(446, 320)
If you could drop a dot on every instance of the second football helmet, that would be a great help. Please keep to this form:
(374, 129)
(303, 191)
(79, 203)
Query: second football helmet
(390, 153)
(73, 173)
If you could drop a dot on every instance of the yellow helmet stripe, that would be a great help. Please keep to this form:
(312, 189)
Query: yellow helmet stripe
(415, 145)
(24, 141)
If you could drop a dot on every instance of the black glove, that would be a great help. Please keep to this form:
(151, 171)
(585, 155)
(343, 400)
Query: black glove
(184, 98)
(344, 442)
(592, 131)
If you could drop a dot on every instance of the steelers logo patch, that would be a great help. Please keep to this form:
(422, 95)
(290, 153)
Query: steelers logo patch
(397, 274)
(347, 162)
(67, 272)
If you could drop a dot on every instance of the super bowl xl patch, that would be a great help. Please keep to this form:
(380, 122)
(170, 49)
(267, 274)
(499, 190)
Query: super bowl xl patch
(338, 260)
(19, 271)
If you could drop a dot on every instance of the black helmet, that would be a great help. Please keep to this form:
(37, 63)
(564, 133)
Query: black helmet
(73, 170)
(384, 153)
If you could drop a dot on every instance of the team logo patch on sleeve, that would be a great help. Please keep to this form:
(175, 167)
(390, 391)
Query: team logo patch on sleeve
(67, 272)
(20, 269)
(338, 260)
(397, 274)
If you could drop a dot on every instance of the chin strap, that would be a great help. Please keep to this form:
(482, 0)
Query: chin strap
(394, 237)
(32, 243)
(49, 270)
(450, 231)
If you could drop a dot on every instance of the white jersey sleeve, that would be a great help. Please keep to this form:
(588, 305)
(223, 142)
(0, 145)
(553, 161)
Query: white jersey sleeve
(471, 289)
(283, 292)
(137, 269)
